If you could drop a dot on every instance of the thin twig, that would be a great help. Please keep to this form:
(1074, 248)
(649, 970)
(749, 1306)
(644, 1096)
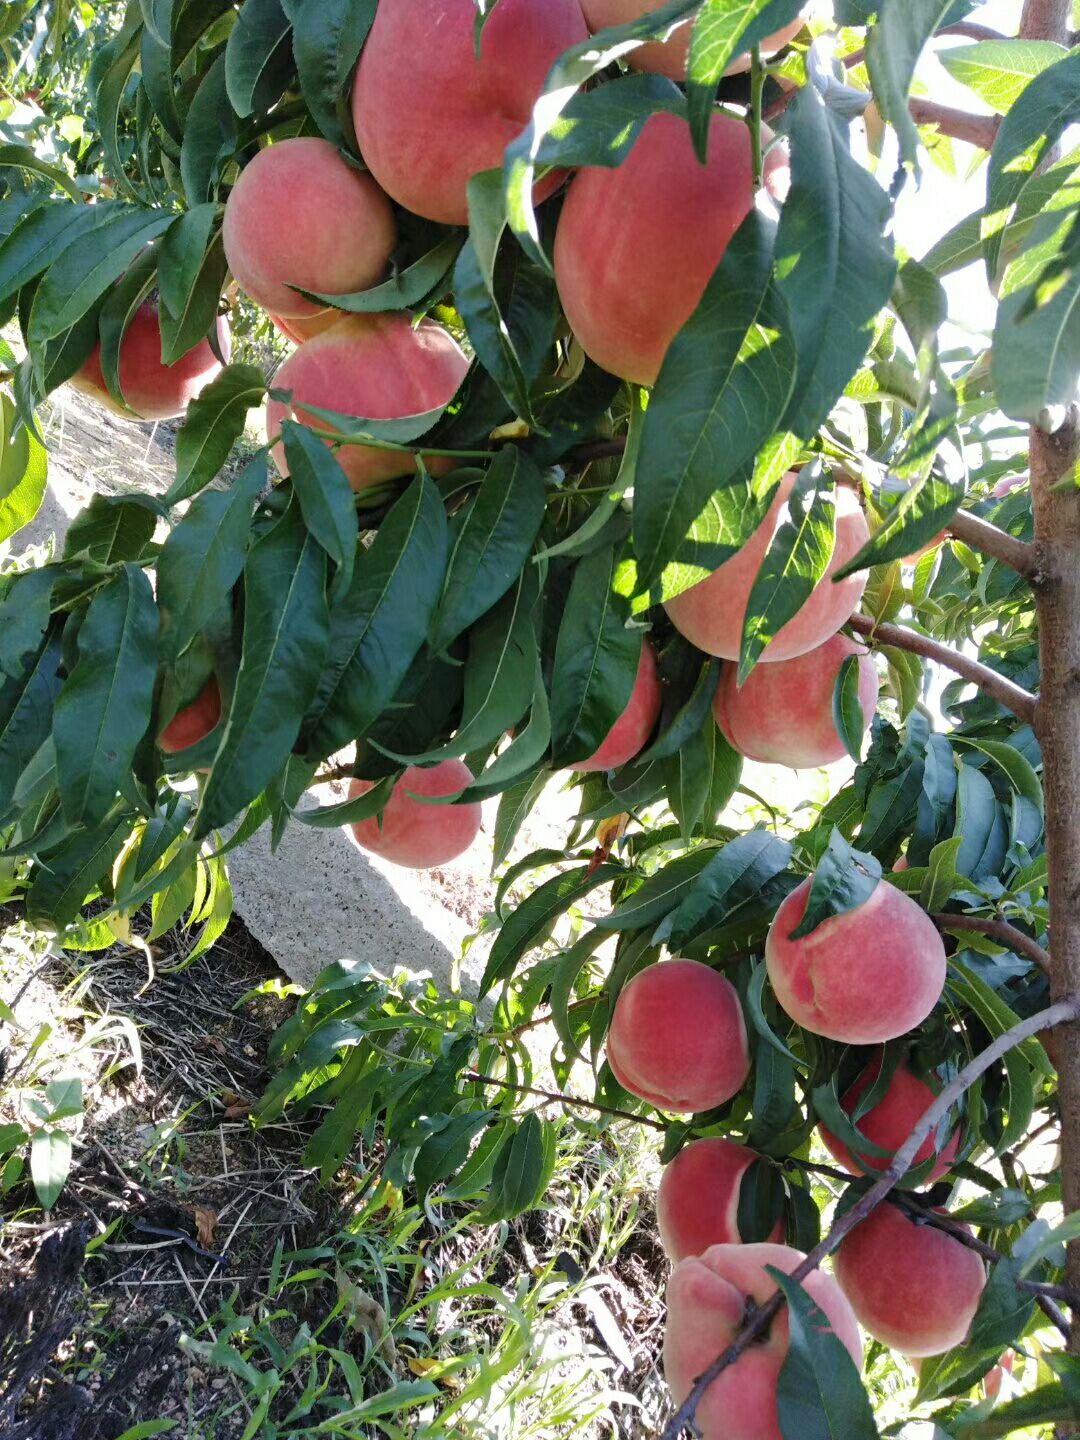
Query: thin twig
(555, 1098)
(1000, 930)
(1059, 1014)
(1020, 701)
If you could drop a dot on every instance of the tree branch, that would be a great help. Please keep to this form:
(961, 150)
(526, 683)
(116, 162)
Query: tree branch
(988, 539)
(554, 1097)
(1063, 1011)
(999, 930)
(1021, 702)
(978, 130)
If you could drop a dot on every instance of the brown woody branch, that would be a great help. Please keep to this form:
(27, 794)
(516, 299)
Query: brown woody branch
(978, 130)
(1020, 701)
(1062, 1012)
(979, 534)
(1001, 931)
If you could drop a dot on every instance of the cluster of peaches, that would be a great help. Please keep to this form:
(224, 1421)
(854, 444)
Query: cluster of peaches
(635, 248)
(678, 1040)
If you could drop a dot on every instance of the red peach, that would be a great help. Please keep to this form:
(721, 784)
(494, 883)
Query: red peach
(375, 367)
(415, 834)
(429, 114)
(697, 1204)
(668, 57)
(194, 723)
(863, 977)
(637, 245)
(627, 737)
(783, 715)
(153, 390)
(678, 1038)
(711, 613)
(993, 1381)
(912, 1286)
(708, 1299)
(301, 215)
(889, 1123)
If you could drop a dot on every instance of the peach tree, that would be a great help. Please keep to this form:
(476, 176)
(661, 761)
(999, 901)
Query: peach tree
(618, 445)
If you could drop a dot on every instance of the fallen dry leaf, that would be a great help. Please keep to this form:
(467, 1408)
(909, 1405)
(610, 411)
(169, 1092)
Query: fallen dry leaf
(364, 1313)
(206, 1223)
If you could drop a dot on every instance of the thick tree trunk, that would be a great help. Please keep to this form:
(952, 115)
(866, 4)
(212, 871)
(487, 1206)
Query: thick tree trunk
(1057, 540)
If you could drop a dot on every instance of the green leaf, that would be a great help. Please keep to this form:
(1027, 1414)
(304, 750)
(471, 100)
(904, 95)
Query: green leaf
(795, 563)
(999, 71)
(117, 314)
(1036, 352)
(41, 237)
(941, 877)
(820, 1394)
(1019, 771)
(1048, 105)
(445, 1152)
(980, 821)
(920, 515)
(724, 29)
(326, 498)
(377, 629)
(999, 1209)
(491, 545)
(258, 57)
(24, 472)
(574, 68)
(893, 47)
(215, 421)
(24, 158)
(660, 893)
(1042, 1407)
(522, 1170)
(847, 708)
(722, 390)
(59, 890)
(110, 72)
(999, 1017)
(500, 351)
(834, 259)
(844, 879)
(26, 714)
(514, 808)
(349, 812)
(525, 927)
(197, 316)
(405, 290)
(111, 530)
(84, 272)
(736, 873)
(524, 753)
(328, 36)
(210, 135)
(50, 1165)
(596, 661)
(105, 707)
(286, 635)
(203, 558)
(690, 718)
(761, 1199)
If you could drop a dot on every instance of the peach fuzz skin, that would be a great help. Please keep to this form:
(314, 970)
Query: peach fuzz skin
(863, 977)
(194, 723)
(300, 215)
(707, 1303)
(678, 1038)
(669, 57)
(889, 1123)
(376, 367)
(153, 390)
(913, 1287)
(416, 835)
(429, 115)
(697, 1205)
(636, 246)
(710, 614)
(783, 715)
(628, 736)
